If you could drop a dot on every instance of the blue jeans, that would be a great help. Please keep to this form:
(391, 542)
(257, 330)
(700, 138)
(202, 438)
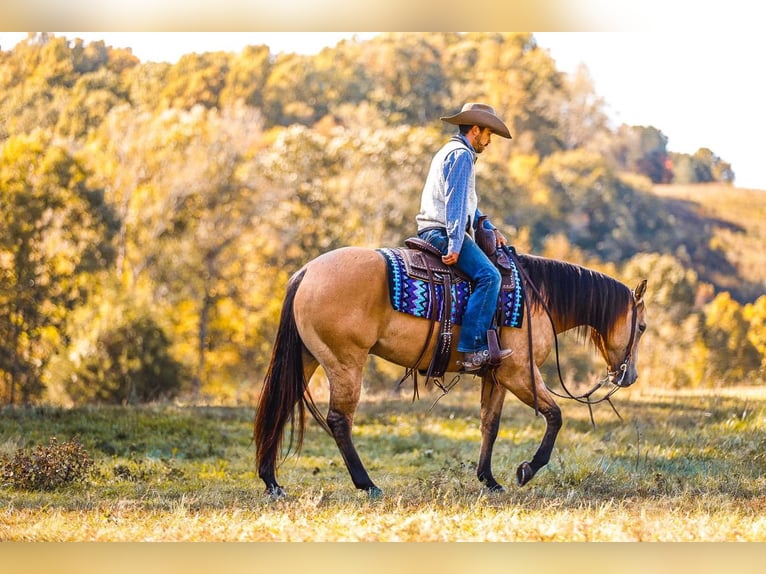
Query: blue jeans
(483, 301)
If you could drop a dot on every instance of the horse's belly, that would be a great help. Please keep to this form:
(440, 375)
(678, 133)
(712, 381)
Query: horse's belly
(404, 337)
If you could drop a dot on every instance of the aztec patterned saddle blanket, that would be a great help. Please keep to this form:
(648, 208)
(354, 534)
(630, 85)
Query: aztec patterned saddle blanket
(410, 273)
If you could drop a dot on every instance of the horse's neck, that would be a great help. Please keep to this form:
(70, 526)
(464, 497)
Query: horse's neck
(576, 297)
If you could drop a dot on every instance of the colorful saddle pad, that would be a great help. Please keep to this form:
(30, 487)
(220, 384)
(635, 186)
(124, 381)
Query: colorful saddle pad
(412, 295)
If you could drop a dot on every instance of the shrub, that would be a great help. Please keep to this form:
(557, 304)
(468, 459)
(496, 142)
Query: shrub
(130, 363)
(46, 467)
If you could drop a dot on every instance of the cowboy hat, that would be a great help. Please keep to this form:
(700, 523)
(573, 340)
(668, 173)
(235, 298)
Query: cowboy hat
(482, 115)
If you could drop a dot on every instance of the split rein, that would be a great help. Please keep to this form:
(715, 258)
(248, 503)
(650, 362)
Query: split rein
(584, 398)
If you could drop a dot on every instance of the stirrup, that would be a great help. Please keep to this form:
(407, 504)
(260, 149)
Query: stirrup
(496, 354)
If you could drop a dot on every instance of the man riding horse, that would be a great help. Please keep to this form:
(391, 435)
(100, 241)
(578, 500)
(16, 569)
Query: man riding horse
(337, 320)
(448, 218)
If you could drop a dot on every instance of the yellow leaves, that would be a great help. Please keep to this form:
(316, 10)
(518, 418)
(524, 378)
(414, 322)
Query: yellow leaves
(523, 168)
(578, 168)
(755, 314)
(727, 335)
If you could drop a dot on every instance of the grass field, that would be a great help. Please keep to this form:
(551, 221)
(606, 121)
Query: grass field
(680, 466)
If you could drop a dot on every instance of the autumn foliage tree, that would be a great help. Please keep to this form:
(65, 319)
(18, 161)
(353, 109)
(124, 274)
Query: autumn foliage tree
(54, 231)
(151, 213)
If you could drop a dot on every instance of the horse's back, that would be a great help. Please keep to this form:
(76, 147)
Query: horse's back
(345, 274)
(343, 306)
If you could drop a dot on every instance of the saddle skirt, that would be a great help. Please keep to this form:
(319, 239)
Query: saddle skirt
(409, 277)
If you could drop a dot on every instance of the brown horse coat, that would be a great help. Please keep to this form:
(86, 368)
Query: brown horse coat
(337, 312)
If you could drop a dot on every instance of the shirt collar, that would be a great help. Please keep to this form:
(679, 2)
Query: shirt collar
(466, 142)
(462, 139)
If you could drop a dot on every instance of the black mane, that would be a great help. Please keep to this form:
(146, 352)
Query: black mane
(576, 295)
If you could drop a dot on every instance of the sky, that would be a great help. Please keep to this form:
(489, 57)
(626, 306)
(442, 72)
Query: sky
(700, 89)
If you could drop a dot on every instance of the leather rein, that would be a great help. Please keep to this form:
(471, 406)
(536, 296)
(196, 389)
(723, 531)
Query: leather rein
(584, 398)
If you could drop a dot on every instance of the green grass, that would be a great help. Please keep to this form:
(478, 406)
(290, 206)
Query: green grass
(679, 467)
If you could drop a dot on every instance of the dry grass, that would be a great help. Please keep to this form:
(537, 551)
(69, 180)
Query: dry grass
(680, 467)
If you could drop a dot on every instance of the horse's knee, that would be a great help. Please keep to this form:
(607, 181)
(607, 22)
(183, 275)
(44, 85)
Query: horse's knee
(490, 427)
(553, 417)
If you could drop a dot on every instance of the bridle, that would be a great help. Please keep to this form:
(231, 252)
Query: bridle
(584, 398)
(623, 366)
(621, 370)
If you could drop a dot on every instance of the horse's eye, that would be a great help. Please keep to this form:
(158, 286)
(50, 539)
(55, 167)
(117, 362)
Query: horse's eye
(641, 327)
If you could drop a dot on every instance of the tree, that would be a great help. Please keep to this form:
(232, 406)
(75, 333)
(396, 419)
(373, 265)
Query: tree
(642, 149)
(598, 211)
(732, 357)
(196, 80)
(54, 229)
(671, 351)
(89, 102)
(51, 82)
(247, 77)
(702, 167)
(127, 363)
(755, 314)
(583, 120)
(521, 81)
(302, 89)
(406, 78)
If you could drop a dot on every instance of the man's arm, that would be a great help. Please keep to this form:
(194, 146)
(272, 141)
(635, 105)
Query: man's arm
(457, 171)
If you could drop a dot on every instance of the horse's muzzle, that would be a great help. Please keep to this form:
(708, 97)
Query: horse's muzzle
(624, 376)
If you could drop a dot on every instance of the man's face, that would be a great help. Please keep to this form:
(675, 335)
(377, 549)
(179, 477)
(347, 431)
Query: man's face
(482, 139)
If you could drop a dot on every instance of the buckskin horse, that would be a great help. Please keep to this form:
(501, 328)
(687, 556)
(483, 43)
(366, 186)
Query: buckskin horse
(337, 310)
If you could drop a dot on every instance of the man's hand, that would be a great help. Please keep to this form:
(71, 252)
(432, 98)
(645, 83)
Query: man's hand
(450, 258)
(500, 238)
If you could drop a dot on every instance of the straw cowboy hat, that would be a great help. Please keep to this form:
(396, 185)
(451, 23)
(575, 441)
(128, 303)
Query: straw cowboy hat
(480, 115)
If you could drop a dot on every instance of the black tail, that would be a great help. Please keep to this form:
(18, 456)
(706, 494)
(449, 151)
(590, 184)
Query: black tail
(282, 393)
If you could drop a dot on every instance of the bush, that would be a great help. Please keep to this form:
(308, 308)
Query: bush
(46, 467)
(130, 363)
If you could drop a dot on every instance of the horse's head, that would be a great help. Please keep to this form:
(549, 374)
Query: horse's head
(620, 347)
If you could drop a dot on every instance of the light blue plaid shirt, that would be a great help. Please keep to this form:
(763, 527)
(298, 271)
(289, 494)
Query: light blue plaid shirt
(457, 173)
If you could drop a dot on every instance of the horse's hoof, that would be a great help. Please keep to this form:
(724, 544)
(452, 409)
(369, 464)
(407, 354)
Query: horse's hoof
(276, 492)
(524, 473)
(374, 493)
(496, 488)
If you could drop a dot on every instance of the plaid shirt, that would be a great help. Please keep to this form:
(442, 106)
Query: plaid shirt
(449, 197)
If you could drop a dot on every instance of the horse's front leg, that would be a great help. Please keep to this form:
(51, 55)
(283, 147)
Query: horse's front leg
(492, 397)
(552, 414)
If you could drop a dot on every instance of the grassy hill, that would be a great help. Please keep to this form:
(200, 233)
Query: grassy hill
(725, 234)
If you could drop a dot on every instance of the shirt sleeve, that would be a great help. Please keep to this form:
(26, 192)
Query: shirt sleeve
(457, 173)
(487, 222)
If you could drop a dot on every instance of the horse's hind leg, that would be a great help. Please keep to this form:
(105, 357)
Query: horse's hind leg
(492, 397)
(345, 389)
(267, 458)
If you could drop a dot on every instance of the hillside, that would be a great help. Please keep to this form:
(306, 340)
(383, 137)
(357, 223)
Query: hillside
(726, 229)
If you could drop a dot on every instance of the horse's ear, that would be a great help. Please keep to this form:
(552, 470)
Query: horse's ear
(638, 294)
